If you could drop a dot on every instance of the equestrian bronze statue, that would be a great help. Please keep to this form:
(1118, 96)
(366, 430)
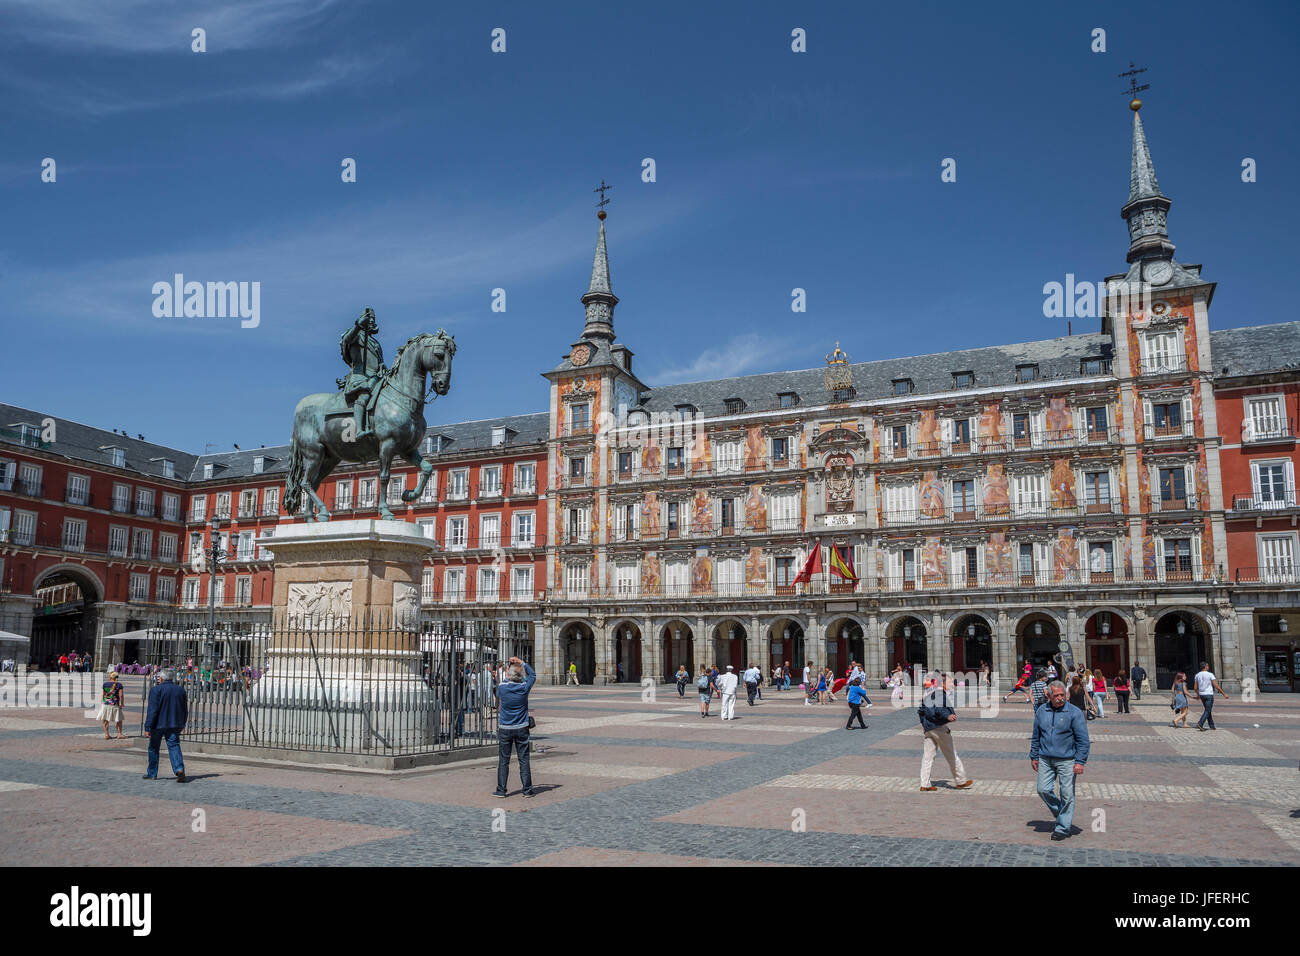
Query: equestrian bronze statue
(377, 413)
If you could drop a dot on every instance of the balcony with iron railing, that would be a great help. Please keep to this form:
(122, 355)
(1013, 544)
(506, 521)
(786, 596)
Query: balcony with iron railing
(583, 480)
(476, 540)
(433, 594)
(84, 544)
(1164, 365)
(1267, 431)
(1264, 501)
(523, 489)
(1171, 502)
(979, 445)
(964, 513)
(1279, 572)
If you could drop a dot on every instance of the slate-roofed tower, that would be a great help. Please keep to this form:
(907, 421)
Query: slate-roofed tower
(1147, 208)
(599, 300)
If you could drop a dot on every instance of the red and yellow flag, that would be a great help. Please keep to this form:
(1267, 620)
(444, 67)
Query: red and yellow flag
(841, 565)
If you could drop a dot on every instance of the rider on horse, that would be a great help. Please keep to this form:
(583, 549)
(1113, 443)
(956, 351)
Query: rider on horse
(361, 351)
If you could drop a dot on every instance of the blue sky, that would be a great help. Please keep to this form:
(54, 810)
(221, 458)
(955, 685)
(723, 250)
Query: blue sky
(775, 170)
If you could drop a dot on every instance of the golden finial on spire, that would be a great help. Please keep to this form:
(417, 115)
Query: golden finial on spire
(838, 357)
(1133, 90)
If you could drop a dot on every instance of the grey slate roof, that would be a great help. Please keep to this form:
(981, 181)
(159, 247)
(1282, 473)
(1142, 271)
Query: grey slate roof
(1256, 348)
(86, 443)
(993, 366)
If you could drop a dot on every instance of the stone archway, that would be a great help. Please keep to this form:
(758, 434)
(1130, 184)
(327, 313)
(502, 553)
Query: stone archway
(906, 641)
(577, 645)
(786, 642)
(845, 642)
(677, 638)
(1038, 639)
(1182, 641)
(65, 614)
(627, 652)
(731, 645)
(972, 643)
(1105, 641)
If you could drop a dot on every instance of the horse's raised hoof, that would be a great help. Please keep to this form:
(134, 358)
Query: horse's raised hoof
(408, 495)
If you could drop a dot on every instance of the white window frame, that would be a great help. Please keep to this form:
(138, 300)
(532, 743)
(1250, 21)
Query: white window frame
(1162, 351)
(199, 508)
(518, 538)
(74, 534)
(121, 503)
(453, 584)
(458, 484)
(487, 589)
(171, 507)
(270, 501)
(139, 587)
(457, 532)
(367, 492)
(1288, 499)
(343, 495)
(1275, 567)
(84, 485)
(527, 483)
(1260, 428)
(262, 553)
(8, 470)
(243, 590)
(248, 503)
(141, 543)
(521, 590)
(190, 591)
(167, 544)
(577, 579)
(164, 590)
(222, 505)
(627, 579)
(489, 481)
(489, 538)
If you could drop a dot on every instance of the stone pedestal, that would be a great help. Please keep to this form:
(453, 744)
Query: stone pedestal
(343, 663)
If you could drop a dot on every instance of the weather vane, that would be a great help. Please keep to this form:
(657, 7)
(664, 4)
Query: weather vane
(1134, 89)
(603, 201)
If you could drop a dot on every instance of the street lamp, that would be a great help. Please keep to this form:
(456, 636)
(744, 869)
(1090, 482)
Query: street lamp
(1182, 628)
(970, 630)
(216, 554)
(1282, 625)
(907, 630)
(1103, 622)
(1038, 628)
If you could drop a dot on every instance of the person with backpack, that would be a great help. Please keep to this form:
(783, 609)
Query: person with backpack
(705, 686)
(936, 713)
(683, 675)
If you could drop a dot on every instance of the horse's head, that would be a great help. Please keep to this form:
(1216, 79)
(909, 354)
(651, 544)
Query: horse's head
(435, 355)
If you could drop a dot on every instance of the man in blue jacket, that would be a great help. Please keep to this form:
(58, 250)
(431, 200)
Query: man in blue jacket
(1058, 751)
(512, 725)
(166, 717)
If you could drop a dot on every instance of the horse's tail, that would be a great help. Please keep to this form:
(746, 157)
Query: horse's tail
(293, 483)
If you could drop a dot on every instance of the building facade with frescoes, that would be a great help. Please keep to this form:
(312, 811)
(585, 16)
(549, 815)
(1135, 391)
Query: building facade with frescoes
(1125, 493)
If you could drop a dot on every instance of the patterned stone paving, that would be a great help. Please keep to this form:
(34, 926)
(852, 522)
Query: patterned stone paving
(627, 782)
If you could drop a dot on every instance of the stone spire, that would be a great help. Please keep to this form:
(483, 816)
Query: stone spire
(1147, 208)
(600, 299)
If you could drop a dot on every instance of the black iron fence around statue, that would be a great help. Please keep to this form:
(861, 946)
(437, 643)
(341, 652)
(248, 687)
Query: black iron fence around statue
(340, 685)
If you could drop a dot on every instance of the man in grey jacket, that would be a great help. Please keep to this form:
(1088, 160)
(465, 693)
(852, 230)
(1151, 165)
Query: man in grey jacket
(937, 711)
(1058, 751)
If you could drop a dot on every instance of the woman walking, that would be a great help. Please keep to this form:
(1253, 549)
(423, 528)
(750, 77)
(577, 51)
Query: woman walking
(1179, 701)
(110, 706)
(1078, 695)
(821, 686)
(1122, 693)
(896, 682)
(683, 675)
(705, 686)
(1099, 692)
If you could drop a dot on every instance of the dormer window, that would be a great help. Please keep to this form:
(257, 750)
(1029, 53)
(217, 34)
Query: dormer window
(903, 386)
(1092, 366)
(29, 435)
(734, 406)
(787, 399)
(168, 468)
(207, 470)
(259, 465)
(118, 457)
(963, 379)
(1027, 372)
(845, 394)
(498, 436)
(685, 411)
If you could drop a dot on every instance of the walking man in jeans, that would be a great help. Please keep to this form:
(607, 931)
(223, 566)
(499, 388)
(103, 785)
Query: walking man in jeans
(936, 713)
(512, 725)
(1058, 751)
(165, 719)
(1207, 685)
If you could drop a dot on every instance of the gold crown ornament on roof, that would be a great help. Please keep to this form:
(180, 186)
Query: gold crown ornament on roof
(838, 374)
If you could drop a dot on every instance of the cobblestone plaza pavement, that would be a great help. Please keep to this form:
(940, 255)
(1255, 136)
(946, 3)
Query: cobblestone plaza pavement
(629, 782)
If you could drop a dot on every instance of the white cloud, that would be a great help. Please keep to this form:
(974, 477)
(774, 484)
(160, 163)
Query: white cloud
(742, 354)
(157, 26)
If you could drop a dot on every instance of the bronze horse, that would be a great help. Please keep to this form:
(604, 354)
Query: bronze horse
(324, 433)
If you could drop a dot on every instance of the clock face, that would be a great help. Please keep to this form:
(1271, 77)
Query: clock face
(580, 355)
(1158, 273)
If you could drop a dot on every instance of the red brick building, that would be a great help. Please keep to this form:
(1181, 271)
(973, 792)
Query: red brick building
(1258, 398)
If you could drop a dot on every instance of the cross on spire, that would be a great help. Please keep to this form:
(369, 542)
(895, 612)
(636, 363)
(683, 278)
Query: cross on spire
(1133, 88)
(602, 188)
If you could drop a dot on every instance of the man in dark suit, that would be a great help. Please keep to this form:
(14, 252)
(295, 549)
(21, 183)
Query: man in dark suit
(168, 711)
(1138, 675)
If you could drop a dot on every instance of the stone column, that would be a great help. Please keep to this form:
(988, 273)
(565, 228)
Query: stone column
(544, 654)
(1245, 637)
(604, 654)
(1004, 649)
(874, 648)
(938, 644)
(652, 654)
(760, 646)
(1143, 644)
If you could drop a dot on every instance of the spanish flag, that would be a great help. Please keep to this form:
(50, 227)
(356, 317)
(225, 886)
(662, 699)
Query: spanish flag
(811, 566)
(841, 565)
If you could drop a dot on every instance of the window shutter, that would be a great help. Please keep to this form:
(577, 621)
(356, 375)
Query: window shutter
(1147, 416)
(895, 570)
(1196, 558)
(945, 430)
(1160, 558)
(1189, 426)
(957, 560)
